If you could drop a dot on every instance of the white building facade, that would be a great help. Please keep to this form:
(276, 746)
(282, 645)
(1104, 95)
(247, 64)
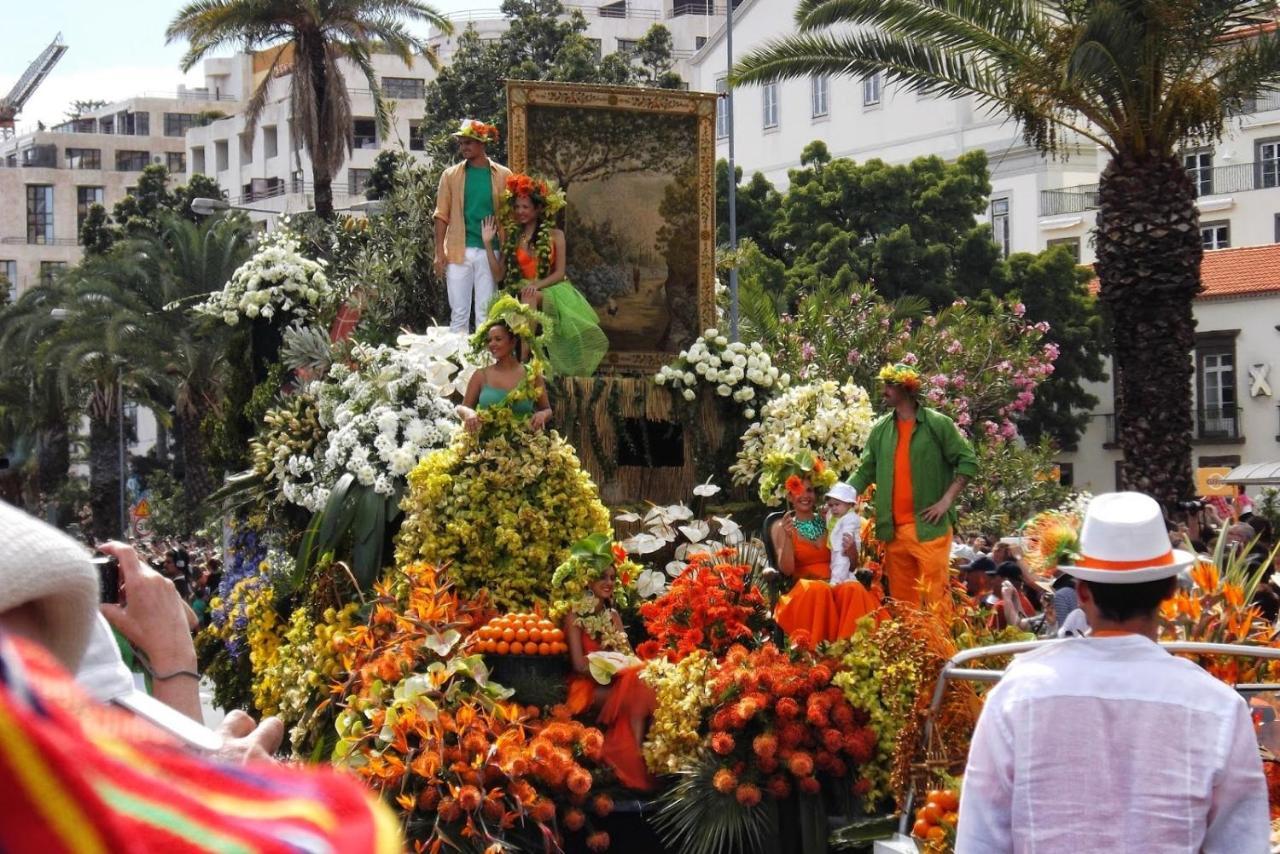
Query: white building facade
(1036, 201)
(1236, 393)
(49, 178)
(612, 27)
(268, 168)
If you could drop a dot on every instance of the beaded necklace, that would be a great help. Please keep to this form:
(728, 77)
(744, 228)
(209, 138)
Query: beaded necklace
(811, 529)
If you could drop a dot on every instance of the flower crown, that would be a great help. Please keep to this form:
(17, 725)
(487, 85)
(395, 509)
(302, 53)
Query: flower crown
(540, 190)
(477, 130)
(588, 559)
(787, 474)
(901, 374)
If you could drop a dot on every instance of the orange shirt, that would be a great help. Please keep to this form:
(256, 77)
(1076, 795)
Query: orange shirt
(904, 508)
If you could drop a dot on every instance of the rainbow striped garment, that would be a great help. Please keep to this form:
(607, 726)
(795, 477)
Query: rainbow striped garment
(84, 778)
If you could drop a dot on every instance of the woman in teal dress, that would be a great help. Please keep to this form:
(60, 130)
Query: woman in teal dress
(532, 265)
(490, 387)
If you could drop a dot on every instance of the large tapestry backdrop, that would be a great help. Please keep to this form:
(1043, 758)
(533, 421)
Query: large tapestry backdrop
(638, 166)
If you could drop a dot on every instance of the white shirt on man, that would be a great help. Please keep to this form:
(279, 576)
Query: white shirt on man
(1112, 744)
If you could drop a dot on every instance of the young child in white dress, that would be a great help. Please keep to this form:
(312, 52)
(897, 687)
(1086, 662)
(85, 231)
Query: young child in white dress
(842, 521)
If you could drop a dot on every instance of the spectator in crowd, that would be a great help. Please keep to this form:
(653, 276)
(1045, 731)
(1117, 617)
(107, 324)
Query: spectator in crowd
(1169, 751)
(977, 577)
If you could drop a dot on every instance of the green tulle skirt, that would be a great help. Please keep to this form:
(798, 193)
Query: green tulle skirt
(576, 344)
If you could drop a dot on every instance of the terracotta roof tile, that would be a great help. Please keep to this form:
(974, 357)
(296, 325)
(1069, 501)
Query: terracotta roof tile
(1241, 272)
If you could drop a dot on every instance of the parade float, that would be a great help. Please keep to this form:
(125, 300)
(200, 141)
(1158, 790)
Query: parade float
(394, 585)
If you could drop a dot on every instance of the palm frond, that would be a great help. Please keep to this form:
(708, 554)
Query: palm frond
(694, 818)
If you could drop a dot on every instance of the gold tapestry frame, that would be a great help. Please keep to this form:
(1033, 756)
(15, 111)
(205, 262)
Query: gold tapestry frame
(701, 106)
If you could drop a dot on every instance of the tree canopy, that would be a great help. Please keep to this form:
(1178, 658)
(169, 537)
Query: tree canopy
(913, 231)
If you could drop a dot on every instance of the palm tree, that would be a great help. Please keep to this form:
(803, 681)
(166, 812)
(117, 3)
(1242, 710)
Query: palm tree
(183, 262)
(1139, 78)
(312, 36)
(144, 289)
(33, 411)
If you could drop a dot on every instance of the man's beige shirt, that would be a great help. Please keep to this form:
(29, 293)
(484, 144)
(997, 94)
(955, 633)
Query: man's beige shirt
(449, 198)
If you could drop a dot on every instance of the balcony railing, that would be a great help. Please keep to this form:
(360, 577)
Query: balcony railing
(1218, 180)
(1068, 200)
(48, 241)
(1218, 422)
(1262, 103)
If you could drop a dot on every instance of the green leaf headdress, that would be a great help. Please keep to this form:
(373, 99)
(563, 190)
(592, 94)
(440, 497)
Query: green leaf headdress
(588, 559)
(785, 474)
(523, 321)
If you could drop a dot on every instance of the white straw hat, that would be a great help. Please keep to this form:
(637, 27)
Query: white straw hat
(40, 564)
(843, 492)
(1124, 541)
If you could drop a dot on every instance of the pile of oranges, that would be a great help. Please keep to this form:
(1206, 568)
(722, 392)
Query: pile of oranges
(519, 634)
(937, 818)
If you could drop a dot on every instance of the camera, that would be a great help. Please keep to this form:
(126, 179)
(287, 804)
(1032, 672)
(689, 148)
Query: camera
(108, 568)
(1195, 505)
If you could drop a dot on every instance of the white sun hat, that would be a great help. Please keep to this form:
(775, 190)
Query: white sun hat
(1124, 541)
(44, 569)
(843, 492)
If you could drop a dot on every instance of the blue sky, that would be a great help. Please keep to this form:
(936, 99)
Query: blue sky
(115, 50)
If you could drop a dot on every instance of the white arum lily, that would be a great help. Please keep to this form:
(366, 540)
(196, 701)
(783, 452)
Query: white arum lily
(729, 529)
(627, 517)
(675, 567)
(696, 531)
(651, 583)
(705, 490)
(604, 664)
(643, 543)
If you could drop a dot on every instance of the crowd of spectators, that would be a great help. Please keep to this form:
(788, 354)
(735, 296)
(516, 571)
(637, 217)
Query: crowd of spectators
(995, 572)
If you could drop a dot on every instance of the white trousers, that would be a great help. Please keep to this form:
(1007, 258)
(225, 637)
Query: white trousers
(468, 282)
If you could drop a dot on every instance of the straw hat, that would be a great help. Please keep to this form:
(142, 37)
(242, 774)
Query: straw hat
(1124, 541)
(39, 564)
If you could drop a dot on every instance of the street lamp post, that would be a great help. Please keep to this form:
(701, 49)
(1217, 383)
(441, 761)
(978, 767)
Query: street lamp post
(733, 180)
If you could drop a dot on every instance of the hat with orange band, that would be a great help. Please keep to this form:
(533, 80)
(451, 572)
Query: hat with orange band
(1124, 541)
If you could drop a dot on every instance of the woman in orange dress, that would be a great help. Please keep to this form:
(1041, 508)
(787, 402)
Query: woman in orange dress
(626, 703)
(812, 604)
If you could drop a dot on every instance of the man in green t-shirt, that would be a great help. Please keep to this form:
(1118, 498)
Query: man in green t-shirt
(468, 195)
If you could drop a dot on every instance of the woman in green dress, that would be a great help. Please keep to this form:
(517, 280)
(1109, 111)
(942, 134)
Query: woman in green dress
(532, 265)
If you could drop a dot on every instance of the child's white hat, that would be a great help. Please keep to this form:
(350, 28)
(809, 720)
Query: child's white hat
(843, 492)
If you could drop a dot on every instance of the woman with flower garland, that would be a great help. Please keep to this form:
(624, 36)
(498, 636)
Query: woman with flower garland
(507, 382)
(799, 538)
(592, 624)
(532, 264)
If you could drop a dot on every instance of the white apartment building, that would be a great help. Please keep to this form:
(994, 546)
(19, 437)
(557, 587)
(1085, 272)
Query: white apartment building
(49, 178)
(1036, 201)
(1237, 374)
(269, 170)
(612, 27)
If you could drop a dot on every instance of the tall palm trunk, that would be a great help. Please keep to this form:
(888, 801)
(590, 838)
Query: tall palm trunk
(104, 475)
(321, 174)
(195, 478)
(1149, 251)
(52, 462)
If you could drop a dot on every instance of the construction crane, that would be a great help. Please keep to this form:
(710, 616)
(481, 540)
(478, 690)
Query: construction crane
(12, 104)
